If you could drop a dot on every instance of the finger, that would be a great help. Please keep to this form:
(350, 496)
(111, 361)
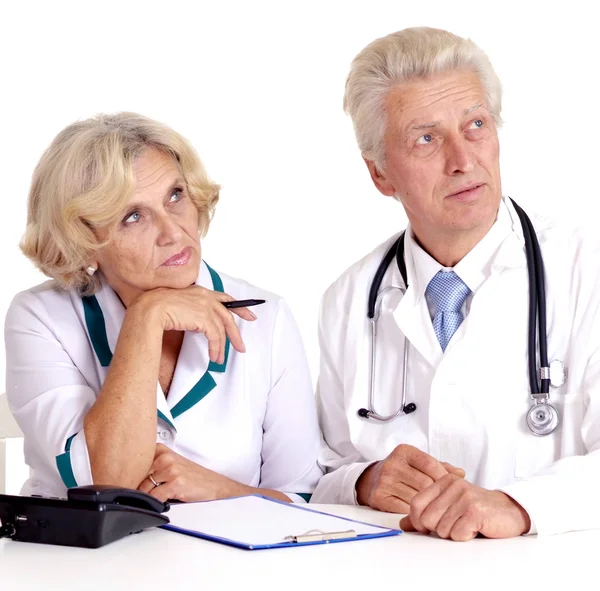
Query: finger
(422, 501)
(413, 478)
(391, 504)
(214, 341)
(232, 330)
(146, 485)
(163, 493)
(406, 524)
(465, 528)
(442, 512)
(243, 313)
(222, 339)
(403, 493)
(454, 470)
(425, 463)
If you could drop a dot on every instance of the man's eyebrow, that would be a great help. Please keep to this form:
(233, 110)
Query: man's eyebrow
(432, 124)
(426, 125)
(473, 108)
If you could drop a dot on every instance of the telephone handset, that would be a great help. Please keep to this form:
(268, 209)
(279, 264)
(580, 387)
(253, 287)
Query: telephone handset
(90, 516)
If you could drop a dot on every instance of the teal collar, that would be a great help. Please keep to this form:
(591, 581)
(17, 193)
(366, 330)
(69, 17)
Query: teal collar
(96, 326)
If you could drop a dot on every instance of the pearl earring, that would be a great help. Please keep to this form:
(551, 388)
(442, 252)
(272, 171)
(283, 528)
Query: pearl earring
(90, 271)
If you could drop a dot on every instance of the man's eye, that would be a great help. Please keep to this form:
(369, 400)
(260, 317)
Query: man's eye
(425, 139)
(477, 124)
(132, 218)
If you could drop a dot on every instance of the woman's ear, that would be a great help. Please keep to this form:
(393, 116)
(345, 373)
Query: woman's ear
(379, 178)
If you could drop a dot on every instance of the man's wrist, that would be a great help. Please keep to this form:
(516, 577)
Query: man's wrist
(521, 515)
(364, 485)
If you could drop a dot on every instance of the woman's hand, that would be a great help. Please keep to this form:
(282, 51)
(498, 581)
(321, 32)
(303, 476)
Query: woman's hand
(195, 309)
(184, 480)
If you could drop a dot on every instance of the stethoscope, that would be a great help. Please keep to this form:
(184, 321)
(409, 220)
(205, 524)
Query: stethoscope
(542, 417)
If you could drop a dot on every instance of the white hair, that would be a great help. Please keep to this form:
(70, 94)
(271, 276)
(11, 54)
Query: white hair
(418, 52)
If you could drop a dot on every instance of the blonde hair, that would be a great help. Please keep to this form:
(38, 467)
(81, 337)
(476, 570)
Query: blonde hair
(418, 52)
(85, 179)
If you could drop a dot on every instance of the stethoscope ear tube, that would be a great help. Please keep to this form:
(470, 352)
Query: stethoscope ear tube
(537, 306)
(378, 279)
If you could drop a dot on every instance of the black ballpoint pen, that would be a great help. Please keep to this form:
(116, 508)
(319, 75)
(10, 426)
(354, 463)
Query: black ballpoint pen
(243, 303)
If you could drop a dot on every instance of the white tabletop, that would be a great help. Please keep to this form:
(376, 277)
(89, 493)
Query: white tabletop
(157, 560)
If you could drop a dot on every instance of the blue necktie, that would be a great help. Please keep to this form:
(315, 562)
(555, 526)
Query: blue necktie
(448, 292)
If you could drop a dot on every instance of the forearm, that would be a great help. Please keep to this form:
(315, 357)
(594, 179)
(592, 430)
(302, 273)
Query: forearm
(236, 489)
(120, 428)
(267, 492)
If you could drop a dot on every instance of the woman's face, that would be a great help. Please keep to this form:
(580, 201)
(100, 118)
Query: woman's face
(155, 243)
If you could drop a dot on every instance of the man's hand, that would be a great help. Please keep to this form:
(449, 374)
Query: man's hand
(391, 484)
(456, 509)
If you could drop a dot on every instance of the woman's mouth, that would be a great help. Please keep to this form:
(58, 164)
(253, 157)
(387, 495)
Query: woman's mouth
(179, 259)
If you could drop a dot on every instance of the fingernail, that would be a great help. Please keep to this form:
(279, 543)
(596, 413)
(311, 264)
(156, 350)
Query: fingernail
(254, 316)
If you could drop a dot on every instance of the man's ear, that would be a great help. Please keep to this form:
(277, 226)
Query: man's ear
(379, 178)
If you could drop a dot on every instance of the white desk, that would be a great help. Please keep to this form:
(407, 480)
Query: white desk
(159, 560)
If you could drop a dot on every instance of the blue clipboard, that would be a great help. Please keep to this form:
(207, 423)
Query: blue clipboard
(241, 522)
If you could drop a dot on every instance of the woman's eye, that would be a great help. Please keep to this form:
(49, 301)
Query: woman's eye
(425, 139)
(132, 218)
(176, 196)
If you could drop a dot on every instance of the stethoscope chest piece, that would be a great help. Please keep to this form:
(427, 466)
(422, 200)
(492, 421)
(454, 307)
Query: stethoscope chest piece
(542, 418)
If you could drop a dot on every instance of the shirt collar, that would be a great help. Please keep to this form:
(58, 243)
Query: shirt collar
(475, 267)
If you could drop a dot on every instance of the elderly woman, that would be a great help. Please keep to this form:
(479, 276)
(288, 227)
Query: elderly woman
(127, 369)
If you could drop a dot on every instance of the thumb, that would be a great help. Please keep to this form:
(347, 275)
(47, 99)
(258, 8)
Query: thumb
(406, 524)
(454, 470)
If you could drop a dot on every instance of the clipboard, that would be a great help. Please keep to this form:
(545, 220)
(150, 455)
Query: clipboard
(256, 522)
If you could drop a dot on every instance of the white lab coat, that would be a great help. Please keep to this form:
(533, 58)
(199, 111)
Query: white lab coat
(258, 425)
(472, 399)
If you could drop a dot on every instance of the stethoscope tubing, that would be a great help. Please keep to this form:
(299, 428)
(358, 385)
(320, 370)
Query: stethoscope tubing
(536, 313)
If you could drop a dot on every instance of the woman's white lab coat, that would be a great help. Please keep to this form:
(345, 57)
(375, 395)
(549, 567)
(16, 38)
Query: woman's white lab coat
(252, 418)
(472, 399)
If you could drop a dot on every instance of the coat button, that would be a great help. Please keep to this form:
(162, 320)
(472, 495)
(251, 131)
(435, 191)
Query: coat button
(164, 435)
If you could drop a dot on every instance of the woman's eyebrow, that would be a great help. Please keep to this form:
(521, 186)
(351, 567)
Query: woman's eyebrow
(176, 183)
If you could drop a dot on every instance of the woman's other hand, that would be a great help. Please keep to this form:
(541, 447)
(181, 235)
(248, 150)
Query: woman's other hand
(181, 479)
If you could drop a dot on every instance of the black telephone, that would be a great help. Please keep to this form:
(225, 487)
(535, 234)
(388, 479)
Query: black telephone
(90, 516)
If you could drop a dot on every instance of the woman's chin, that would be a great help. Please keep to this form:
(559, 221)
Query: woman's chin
(178, 278)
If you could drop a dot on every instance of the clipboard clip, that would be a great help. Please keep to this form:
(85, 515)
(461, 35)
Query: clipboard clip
(316, 535)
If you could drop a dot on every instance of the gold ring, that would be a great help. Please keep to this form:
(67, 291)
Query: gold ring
(154, 481)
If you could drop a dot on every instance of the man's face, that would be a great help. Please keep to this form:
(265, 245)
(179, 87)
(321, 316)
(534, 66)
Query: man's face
(441, 156)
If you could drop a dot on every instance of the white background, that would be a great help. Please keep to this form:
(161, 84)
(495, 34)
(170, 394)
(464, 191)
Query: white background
(257, 87)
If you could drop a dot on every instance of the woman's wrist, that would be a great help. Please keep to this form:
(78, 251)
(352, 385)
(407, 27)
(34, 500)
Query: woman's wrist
(145, 312)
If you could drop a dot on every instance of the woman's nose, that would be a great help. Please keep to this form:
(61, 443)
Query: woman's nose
(169, 231)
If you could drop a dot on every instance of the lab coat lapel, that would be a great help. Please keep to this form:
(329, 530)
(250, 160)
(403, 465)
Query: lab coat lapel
(104, 314)
(412, 315)
(498, 317)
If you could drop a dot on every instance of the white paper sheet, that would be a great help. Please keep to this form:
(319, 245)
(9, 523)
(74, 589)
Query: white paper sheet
(255, 521)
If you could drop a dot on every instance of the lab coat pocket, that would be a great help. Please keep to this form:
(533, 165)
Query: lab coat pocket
(535, 453)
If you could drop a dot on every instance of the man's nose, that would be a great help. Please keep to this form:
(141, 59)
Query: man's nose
(459, 155)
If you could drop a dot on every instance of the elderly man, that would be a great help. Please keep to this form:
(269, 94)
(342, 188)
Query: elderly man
(455, 409)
